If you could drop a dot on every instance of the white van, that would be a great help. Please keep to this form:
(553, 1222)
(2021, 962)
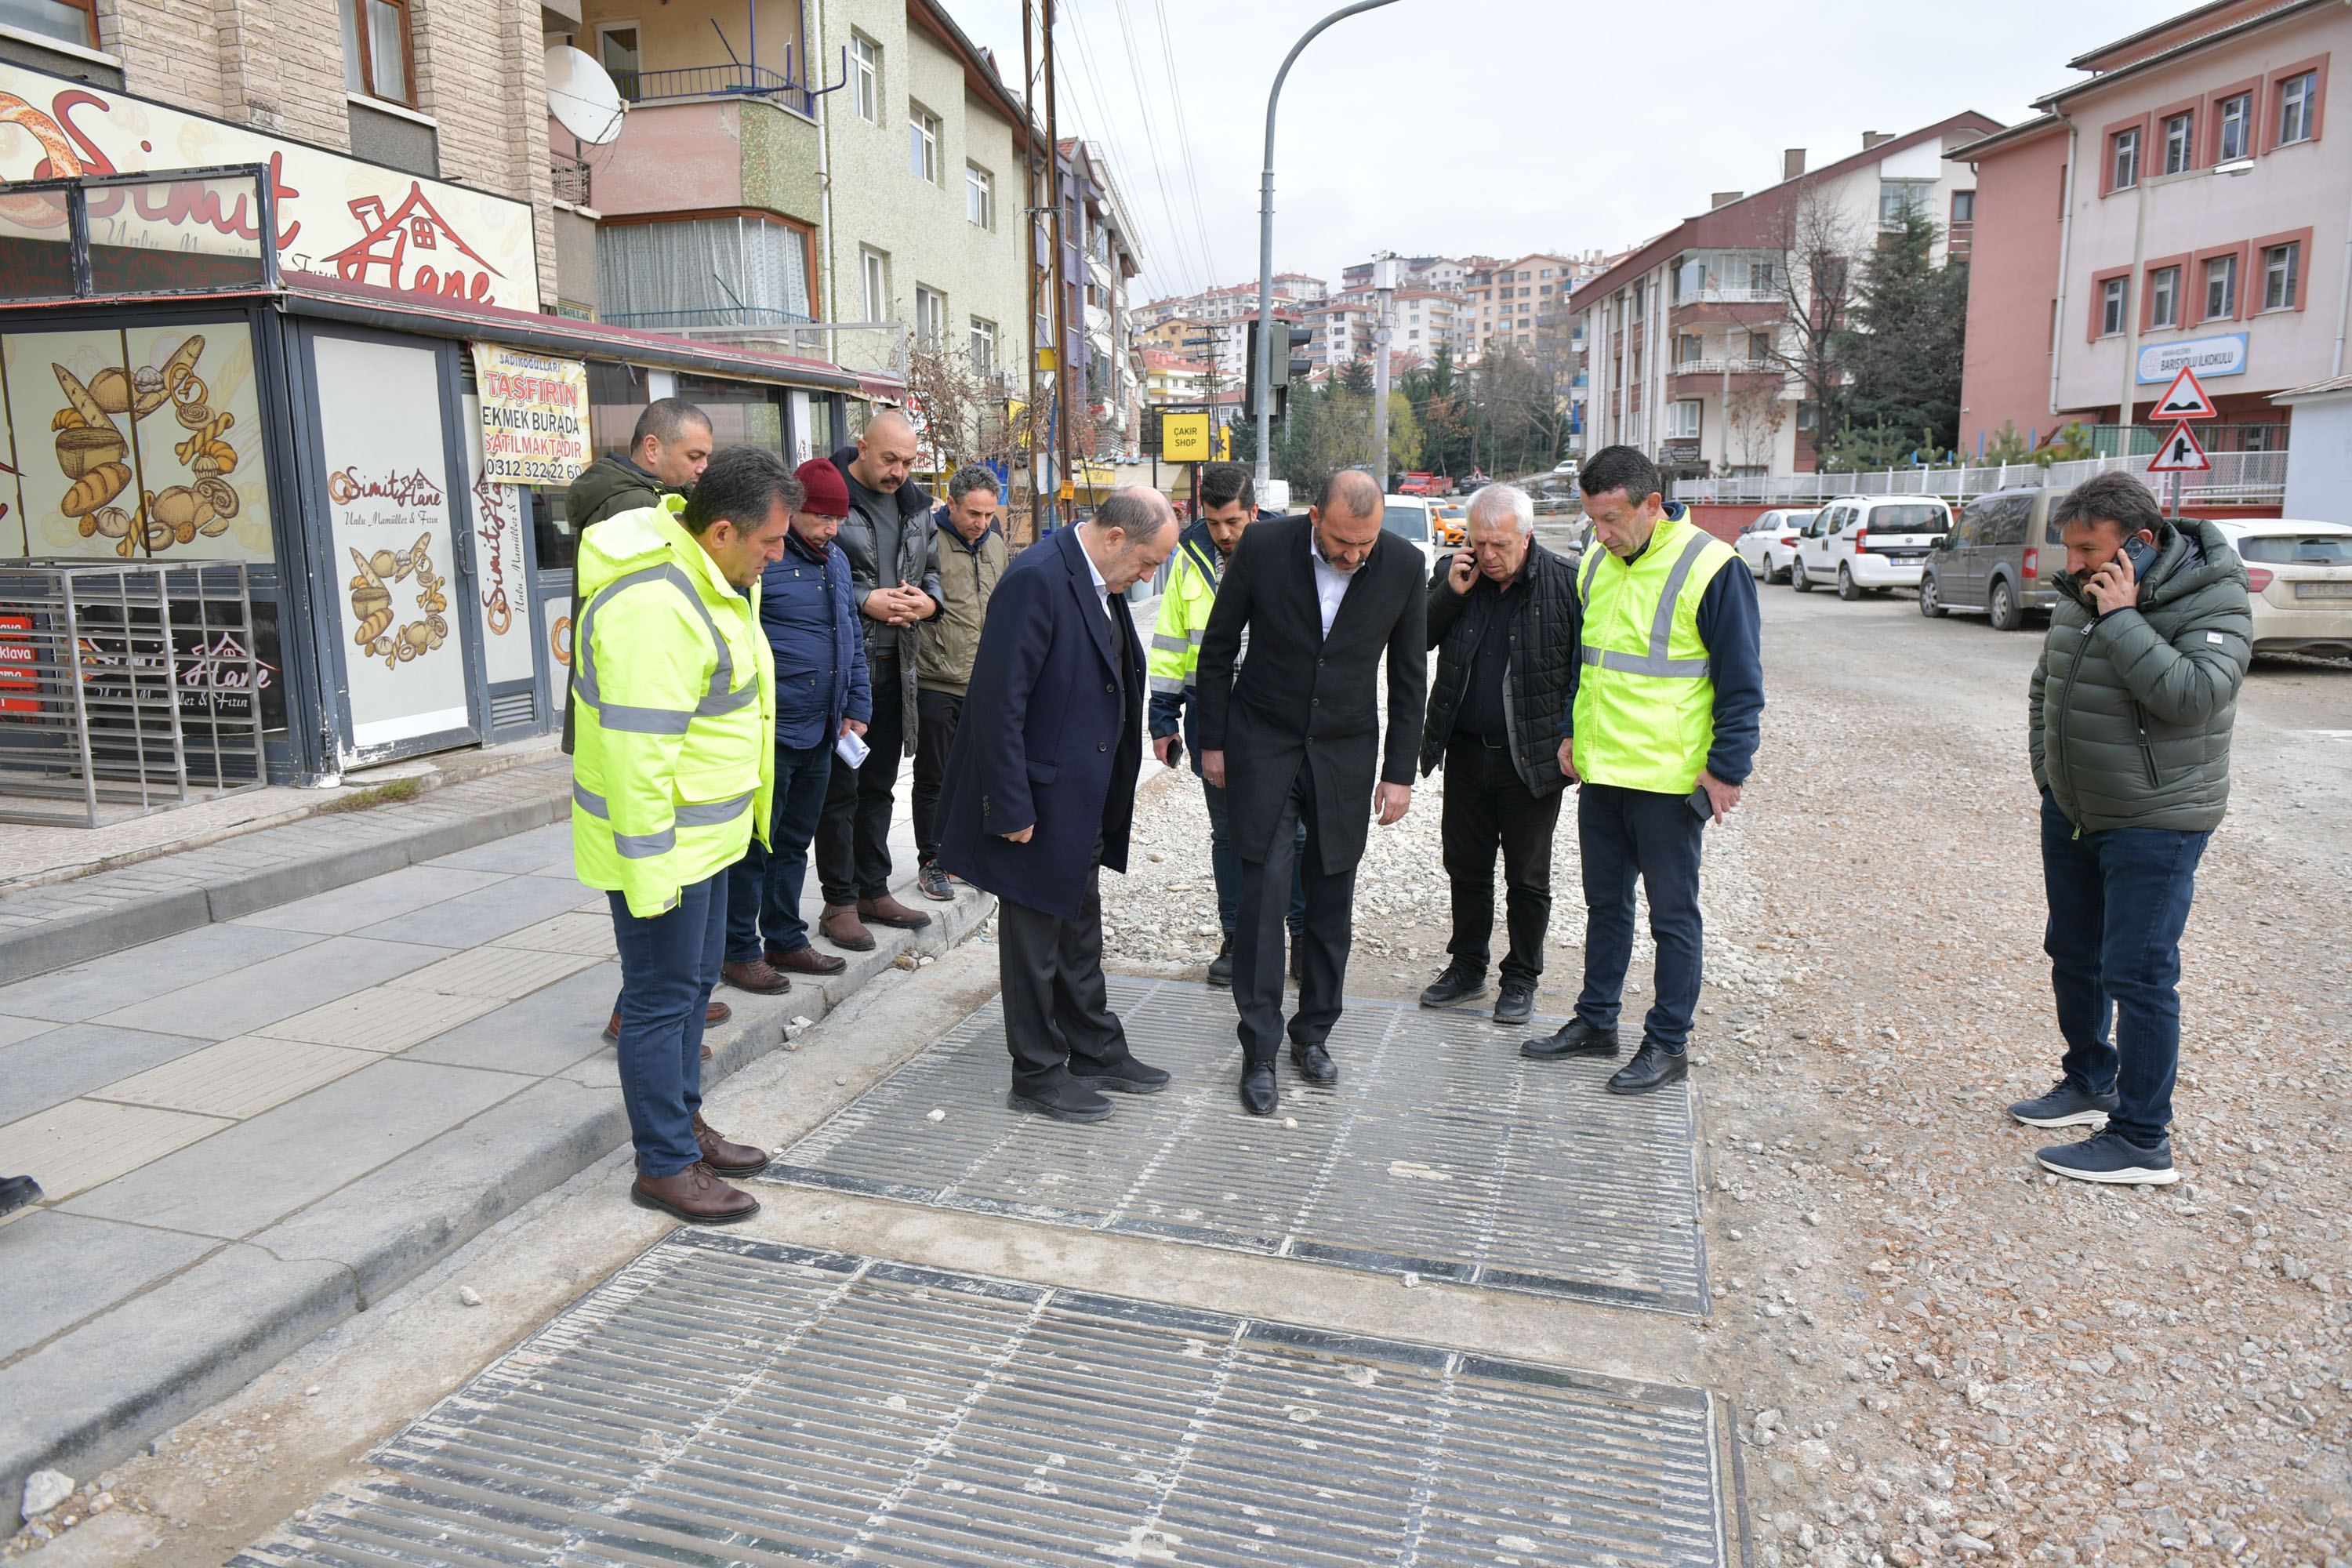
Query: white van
(1410, 518)
(1868, 544)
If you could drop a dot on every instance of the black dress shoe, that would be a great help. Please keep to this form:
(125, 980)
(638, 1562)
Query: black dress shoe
(1460, 983)
(1577, 1039)
(1516, 1004)
(1221, 968)
(1063, 1098)
(1259, 1097)
(1314, 1063)
(1127, 1077)
(1653, 1067)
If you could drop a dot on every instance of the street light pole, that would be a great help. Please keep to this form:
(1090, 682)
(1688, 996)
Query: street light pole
(1266, 249)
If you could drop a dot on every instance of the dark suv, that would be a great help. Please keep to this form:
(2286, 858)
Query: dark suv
(1999, 558)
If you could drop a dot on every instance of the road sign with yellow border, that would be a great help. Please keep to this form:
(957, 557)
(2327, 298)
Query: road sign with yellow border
(1184, 437)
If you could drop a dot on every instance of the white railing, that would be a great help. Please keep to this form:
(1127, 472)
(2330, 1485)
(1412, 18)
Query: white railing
(2236, 478)
(1725, 367)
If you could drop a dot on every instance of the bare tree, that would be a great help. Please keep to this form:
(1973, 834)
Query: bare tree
(1757, 414)
(1811, 300)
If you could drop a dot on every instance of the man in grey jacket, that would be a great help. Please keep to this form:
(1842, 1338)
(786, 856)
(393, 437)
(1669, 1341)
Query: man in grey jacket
(2132, 705)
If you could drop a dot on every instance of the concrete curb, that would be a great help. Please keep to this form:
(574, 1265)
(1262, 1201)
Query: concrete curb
(93, 1395)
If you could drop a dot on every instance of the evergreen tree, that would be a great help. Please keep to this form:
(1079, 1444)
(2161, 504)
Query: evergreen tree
(1904, 349)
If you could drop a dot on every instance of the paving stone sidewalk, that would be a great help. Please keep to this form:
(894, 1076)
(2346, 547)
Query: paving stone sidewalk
(318, 1063)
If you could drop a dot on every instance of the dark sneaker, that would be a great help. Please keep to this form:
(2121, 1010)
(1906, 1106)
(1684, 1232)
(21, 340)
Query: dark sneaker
(18, 1192)
(1653, 1067)
(2113, 1158)
(932, 883)
(1516, 1005)
(2068, 1104)
(1065, 1099)
(1127, 1077)
(1221, 968)
(1575, 1039)
(1460, 983)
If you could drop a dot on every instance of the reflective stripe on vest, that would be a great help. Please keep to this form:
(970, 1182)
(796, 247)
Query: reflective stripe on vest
(656, 720)
(1662, 624)
(646, 846)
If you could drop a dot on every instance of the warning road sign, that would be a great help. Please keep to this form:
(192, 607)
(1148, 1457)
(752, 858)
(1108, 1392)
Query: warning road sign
(2180, 454)
(2184, 399)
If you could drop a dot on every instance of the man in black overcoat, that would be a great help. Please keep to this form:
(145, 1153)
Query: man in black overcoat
(1295, 737)
(1040, 794)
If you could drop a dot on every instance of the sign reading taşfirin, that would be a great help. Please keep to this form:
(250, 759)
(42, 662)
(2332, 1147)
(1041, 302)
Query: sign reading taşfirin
(336, 216)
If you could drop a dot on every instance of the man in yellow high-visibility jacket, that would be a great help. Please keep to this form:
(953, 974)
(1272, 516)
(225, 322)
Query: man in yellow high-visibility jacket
(1659, 734)
(675, 693)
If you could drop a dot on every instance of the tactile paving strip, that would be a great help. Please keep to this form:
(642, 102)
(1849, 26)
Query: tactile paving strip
(729, 1401)
(1440, 1151)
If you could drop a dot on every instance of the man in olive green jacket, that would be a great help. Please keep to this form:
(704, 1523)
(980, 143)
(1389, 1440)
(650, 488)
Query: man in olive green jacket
(971, 557)
(2132, 705)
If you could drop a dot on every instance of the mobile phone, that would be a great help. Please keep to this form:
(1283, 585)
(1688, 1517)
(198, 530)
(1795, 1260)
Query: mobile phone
(1701, 803)
(1175, 750)
(2142, 555)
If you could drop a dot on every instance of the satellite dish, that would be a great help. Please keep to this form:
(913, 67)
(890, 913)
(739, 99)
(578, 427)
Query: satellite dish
(581, 98)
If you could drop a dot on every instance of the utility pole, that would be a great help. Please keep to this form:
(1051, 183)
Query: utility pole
(1266, 243)
(1384, 269)
(1038, 467)
(1061, 334)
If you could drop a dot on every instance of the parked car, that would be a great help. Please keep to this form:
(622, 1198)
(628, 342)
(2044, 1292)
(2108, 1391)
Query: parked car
(1567, 467)
(1410, 517)
(1868, 544)
(2300, 574)
(1998, 559)
(1453, 523)
(1769, 543)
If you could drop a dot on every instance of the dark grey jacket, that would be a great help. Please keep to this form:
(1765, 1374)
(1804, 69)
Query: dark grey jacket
(918, 563)
(2131, 712)
(1545, 639)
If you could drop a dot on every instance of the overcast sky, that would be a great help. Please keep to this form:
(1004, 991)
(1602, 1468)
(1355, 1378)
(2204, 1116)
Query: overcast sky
(1454, 127)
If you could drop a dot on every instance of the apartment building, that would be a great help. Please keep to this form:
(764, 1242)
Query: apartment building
(1100, 258)
(1507, 305)
(1419, 319)
(1685, 339)
(2179, 207)
(1342, 332)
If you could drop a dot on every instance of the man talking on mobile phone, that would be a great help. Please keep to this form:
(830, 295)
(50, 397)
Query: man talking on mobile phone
(1659, 735)
(2131, 709)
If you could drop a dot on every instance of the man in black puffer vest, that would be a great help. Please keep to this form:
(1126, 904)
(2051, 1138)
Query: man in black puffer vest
(1503, 617)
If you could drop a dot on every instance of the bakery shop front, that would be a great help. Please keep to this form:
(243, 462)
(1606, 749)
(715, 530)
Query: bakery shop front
(305, 405)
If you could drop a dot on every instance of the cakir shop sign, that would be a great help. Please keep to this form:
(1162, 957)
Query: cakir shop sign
(337, 215)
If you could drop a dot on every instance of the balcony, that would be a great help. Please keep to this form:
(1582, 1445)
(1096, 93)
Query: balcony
(708, 151)
(1723, 367)
(733, 80)
(1717, 296)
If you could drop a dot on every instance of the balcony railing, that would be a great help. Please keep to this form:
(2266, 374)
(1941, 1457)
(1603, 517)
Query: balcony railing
(733, 80)
(1728, 297)
(1726, 367)
(2236, 478)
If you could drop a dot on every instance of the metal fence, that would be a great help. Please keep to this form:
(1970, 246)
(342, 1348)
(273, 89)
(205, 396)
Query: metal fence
(2236, 478)
(125, 689)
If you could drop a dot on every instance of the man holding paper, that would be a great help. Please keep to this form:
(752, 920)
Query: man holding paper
(824, 702)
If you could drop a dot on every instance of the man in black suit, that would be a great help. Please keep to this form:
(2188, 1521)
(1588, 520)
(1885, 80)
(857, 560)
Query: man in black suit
(1295, 737)
(1040, 794)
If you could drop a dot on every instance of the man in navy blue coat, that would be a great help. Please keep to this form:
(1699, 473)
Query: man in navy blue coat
(809, 616)
(1040, 794)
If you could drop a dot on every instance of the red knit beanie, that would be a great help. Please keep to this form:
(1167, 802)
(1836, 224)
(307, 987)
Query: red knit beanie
(828, 495)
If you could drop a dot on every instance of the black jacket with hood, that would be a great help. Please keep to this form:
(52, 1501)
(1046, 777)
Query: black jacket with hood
(917, 564)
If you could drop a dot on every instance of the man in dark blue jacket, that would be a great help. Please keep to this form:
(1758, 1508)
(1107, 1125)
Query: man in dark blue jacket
(810, 613)
(1041, 794)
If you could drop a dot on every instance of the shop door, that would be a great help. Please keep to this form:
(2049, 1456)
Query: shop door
(499, 533)
(404, 622)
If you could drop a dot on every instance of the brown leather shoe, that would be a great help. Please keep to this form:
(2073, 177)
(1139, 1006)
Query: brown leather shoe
(727, 1158)
(713, 1016)
(756, 977)
(888, 912)
(805, 960)
(842, 928)
(696, 1195)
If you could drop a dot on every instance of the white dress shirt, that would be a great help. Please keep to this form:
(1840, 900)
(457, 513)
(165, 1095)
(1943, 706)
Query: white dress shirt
(1101, 587)
(1330, 583)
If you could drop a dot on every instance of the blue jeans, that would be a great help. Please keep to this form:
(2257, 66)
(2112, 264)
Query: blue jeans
(763, 888)
(668, 964)
(2118, 902)
(1624, 834)
(1225, 866)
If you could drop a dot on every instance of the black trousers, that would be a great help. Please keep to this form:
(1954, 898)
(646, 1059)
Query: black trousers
(1323, 938)
(936, 713)
(1488, 808)
(853, 838)
(1057, 1015)
(1624, 834)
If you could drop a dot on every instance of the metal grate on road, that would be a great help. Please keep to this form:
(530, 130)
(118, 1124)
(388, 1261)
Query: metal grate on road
(1440, 1151)
(729, 1401)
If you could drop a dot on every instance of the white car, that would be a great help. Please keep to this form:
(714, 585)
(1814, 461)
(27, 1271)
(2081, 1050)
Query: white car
(1769, 543)
(1869, 543)
(1412, 518)
(2300, 575)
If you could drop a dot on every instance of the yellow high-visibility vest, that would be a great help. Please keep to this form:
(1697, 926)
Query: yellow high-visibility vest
(1644, 699)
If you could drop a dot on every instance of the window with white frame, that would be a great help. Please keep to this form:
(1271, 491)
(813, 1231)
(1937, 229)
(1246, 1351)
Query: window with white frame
(1682, 419)
(923, 145)
(2123, 161)
(866, 79)
(2298, 98)
(2113, 295)
(2282, 269)
(979, 196)
(983, 347)
(2164, 297)
(2237, 117)
(930, 314)
(874, 272)
(2179, 143)
(2221, 287)
(1897, 197)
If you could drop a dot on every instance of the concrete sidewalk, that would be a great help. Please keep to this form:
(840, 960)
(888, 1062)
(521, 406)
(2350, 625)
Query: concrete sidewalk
(286, 1101)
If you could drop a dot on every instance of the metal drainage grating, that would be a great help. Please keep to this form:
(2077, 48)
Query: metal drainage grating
(1440, 1151)
(729, 1401)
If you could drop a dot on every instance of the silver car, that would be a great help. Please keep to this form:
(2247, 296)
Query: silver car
(1998, 559)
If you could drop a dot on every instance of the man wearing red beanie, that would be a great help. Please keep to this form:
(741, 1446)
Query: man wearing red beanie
(810, 615)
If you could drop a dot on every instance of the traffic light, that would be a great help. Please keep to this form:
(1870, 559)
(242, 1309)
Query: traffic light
(1285, 369)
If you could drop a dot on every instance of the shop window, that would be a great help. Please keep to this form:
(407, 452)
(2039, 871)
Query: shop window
(67, 21)
(377, 60)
